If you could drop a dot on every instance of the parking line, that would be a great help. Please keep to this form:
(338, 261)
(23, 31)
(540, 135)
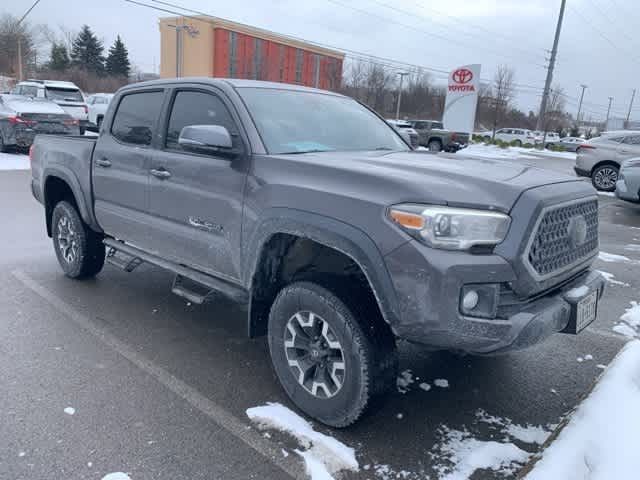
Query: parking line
(212, 410)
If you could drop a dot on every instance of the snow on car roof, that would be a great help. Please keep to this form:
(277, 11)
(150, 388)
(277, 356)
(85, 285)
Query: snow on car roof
(21, 104)
(51, 83)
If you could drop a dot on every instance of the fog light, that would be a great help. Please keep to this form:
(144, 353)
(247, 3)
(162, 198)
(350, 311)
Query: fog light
(470, 300)
(480, 300)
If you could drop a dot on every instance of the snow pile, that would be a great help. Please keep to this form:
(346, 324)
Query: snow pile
(577, 292)
(468, 454)
(479, 150)
(629, 325)
(633, 247)
(441, 382)
(609, 277)
(13, 161)
(601, 440)
(69, 410)
(613, 258)
(404, 381)
(324, 455)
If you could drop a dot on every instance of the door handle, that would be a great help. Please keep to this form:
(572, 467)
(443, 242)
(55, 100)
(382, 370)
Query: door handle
(103, 162)
(160, 173)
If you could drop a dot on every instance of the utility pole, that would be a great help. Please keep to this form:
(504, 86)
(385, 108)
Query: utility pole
(580, 104)
(20, 72)
(633, 96)
(608, 112)
(192, 32)
(552, 63)
(402, 75)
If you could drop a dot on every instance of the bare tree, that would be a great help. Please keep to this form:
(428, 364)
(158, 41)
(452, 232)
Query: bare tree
(503, 91)
(556, 117)
(10, 32)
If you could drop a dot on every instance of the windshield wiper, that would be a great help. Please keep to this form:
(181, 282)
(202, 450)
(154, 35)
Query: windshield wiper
(298, 152)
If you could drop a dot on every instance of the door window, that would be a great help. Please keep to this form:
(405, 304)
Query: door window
(198, 108)
(632, 140)
(136, 117)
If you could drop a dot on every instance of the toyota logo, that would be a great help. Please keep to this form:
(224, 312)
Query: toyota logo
(462, 75)
(577, 230)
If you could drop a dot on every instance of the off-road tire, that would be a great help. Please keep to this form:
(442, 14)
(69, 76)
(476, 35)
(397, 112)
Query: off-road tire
(370, 359)
(434, 146)
(90, 251)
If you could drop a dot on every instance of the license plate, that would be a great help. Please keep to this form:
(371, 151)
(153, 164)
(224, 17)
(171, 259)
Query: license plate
(586, 311)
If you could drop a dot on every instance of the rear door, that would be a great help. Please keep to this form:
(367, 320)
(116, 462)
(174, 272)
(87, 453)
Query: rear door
(197, 204)
(121, 163)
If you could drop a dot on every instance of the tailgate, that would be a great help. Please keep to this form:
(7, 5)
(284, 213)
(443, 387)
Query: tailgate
(76, 111)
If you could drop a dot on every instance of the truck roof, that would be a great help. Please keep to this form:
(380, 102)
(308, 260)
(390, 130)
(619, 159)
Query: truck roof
(50, 83)
(233, 82)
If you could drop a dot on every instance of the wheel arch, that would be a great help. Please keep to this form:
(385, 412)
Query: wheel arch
(60, 185)
(281, 231)
(602, 163)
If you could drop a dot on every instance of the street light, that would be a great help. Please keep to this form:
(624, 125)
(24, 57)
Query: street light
(20, 75)
(402, 75)
(192, 32)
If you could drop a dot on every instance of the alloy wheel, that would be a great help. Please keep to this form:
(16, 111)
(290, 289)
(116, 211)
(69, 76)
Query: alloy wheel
(606, 178)
(68, 240)
(314, 354)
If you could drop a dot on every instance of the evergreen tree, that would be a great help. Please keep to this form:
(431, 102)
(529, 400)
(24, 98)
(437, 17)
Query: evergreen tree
(59, 57)
(118, 59)
(86, 52)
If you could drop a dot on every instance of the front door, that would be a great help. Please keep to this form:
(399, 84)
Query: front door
(196, 202)
(121, 167)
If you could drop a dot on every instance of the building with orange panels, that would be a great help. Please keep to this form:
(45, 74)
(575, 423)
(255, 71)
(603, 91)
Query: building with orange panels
(212, 47)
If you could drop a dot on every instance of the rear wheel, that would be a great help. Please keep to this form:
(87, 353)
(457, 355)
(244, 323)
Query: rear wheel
(327, 362)
(434, 145)
(517, 143)
(79, 249)
(3, 146)
(604, 177)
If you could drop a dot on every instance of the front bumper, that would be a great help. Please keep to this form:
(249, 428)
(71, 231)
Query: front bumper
(429, 292)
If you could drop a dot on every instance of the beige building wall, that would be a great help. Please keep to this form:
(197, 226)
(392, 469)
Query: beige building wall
(197, 47)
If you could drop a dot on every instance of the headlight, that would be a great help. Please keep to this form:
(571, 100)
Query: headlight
(451, 228)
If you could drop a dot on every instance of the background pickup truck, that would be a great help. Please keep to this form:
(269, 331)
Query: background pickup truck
(435, 137)
(313, 212)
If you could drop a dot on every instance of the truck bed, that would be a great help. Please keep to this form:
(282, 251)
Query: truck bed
(69, 157)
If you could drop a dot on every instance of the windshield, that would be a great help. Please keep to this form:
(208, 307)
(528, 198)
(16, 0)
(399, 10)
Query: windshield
(64, 94)
(292, 121)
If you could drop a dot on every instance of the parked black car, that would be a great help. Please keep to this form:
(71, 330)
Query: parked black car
(22, 118)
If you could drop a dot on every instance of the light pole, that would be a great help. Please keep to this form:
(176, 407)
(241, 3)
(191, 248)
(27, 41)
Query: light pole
(580, 105)
(402, 75)
(20, 74)
(192, 32)
(608, 112)
(633, 96)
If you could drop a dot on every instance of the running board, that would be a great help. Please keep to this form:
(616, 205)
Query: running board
(223, 287)
(192, 291)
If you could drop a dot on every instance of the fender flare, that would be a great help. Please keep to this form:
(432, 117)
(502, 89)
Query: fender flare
(66, 175)
(329, 232)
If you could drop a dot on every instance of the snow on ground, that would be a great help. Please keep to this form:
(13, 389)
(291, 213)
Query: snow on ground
(577, 292)
(492, 151)
(324, 455)
(14, 161)
(532, 434)
(629, 324)
(609, 277)
(425, 386)
(116, 476)
(465, 454)
(69, 410)
(441, 382)
(613, 258)
(633, 247)
(601, 440)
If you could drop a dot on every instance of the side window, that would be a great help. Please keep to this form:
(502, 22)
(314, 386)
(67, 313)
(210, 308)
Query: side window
(632, 140)
(197, 108)
(29, 91)
(616, 139)
(136, 117)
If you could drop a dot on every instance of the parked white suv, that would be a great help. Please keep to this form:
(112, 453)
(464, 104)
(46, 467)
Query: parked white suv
(520, 136)
(65, 94)
(98, 103)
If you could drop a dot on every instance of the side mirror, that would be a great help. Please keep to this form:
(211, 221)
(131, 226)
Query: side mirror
(205, 138)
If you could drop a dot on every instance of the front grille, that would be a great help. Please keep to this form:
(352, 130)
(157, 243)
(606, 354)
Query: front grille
(564, 236)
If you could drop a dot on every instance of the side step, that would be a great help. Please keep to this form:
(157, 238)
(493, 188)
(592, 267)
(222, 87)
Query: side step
(198, 286)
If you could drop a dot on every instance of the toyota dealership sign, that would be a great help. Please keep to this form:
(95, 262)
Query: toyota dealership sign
(462, 98)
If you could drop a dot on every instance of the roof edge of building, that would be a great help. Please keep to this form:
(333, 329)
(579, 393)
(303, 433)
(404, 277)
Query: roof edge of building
(262, 33)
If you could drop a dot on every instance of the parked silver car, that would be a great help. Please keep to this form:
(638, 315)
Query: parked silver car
(570, 144)
(600, 157)
(628, 184)
(22, 118)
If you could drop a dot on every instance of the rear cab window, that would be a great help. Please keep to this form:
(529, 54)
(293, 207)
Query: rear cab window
(135, 120)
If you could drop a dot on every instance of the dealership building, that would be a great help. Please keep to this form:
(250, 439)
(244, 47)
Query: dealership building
(212, 47)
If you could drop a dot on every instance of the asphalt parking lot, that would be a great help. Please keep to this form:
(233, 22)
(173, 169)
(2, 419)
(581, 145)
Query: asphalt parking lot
(159, 387)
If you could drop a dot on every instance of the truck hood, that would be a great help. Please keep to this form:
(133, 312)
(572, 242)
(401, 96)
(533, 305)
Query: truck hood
(422, 177)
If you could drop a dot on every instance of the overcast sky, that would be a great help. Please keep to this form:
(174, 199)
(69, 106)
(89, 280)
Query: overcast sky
(599, 45)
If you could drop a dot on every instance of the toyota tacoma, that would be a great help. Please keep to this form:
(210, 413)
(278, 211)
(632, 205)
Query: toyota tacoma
(308, 208)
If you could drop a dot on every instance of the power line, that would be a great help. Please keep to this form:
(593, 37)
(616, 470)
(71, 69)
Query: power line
(421, 31)
(415, 15)
(609, 20)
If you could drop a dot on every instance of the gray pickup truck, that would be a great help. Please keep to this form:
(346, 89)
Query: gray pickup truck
(308, 208)
(436, 138)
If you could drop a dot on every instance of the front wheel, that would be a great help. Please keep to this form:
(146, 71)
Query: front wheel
(434, 146)
(79, 249)
(604, 178)
(325, 361)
